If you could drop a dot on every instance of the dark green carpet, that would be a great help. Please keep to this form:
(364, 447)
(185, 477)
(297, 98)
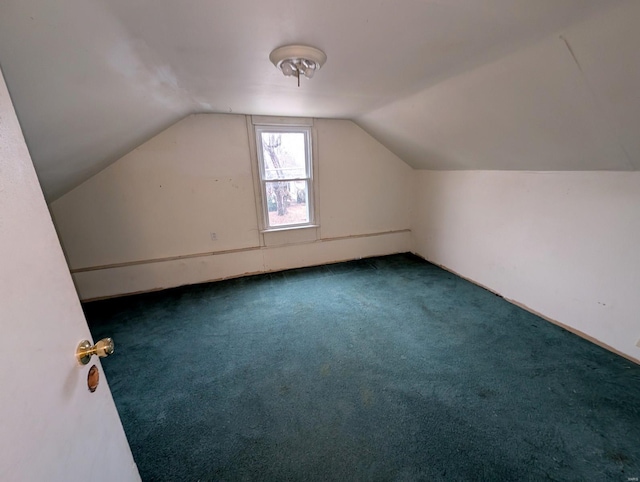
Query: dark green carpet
(381, 369)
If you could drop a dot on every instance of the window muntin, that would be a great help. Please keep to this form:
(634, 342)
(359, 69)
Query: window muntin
(286, 175)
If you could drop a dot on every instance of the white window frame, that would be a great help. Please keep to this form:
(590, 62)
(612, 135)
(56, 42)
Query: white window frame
(266, 125)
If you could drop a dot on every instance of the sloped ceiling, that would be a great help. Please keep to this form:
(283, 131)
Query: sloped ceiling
(566, 102)
(445, 84)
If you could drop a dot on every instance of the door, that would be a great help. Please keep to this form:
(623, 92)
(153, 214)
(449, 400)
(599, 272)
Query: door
(51, 426)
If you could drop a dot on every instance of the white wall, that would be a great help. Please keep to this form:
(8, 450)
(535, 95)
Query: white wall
(51, 427)
(566, 245)
(363, 186)
(145, 222)
(165, 197)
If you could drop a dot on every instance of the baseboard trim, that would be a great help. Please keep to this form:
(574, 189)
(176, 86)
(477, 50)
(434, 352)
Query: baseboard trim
(153, 275)
(242, 275)
(125, 264)
(570, 329)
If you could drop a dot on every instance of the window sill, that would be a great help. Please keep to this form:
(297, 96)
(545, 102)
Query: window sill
(290, 235)
(289, 228)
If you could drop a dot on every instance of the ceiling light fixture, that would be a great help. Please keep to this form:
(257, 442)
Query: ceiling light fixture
(294, 60)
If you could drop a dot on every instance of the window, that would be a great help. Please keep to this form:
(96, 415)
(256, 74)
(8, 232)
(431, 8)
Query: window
(286, 176)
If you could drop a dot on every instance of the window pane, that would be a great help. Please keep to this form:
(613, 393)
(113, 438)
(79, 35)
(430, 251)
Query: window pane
(284, 155)
(287, 202)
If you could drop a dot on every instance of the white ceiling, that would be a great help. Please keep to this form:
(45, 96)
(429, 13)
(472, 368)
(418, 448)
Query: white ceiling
(438, 82)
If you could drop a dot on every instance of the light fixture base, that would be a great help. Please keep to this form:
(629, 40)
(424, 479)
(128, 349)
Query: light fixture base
(298, 60)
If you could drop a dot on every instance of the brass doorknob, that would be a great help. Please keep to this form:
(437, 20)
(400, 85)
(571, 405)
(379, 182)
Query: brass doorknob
(85, 350)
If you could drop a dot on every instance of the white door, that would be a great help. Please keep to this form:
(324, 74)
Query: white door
(52, 428)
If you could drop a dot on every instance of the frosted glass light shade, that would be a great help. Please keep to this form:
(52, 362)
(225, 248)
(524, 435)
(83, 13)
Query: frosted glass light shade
(287, 68)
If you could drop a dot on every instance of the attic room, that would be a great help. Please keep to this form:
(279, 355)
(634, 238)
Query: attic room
(457, 298)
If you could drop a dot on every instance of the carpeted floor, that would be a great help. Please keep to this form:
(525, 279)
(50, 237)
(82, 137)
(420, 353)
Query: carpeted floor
(379, 369)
